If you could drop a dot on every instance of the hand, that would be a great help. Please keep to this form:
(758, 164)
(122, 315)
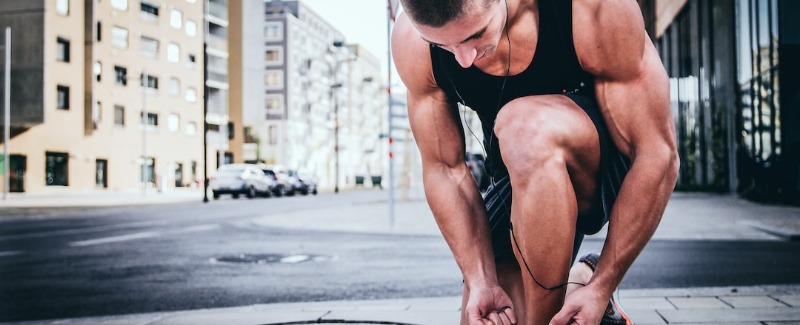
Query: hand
(583, 306)
(490, 306)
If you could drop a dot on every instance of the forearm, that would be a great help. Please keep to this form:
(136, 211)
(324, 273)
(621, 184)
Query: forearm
(634, 218)
(459, 211)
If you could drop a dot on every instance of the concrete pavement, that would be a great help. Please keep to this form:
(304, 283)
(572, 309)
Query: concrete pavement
(688, 216)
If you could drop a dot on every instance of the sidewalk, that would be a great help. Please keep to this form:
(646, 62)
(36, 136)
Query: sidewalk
(57, 197)
(695, 216)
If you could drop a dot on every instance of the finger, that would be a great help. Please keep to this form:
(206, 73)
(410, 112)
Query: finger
(509, 312)
(504, 319)
(494, 319)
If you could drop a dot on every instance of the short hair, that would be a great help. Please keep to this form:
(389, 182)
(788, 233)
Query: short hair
(437, 13)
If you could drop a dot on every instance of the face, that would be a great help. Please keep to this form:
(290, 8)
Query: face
(471, 37)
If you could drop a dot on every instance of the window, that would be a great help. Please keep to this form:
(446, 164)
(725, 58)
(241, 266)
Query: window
(273, 79)
(148, 47)
(149, 81)
(62, 49)
(148, 9)
(63, 97)
(191, 28)
(176, 18)
(119, 115)
(98, 70)
(152, 119)
(56, 168)
(173, 52)
(97, 114)
(273, 135)
(147, 170)
(62, 7)
(121, 75)
(274, 56)
(191, 95)
(231, 129)
(119, 4)
(191, 128)
(274, 103)
(273, 31)
(119, 37)
(192, 59)
(99, 31)
(173, 122)
(174, 86)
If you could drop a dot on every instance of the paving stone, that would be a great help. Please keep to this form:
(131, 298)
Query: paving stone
(753, 302)
(644, 303)
(645, 317)
(229, 318)
(698, 303)
(417, 318)
(728, 316)
(792, 300)
(783, 323)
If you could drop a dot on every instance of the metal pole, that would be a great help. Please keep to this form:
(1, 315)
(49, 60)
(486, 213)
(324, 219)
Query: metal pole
(146, 123)
(389, 96)
(205, 123)
(7, 118)
(334, 89)
(205, 103)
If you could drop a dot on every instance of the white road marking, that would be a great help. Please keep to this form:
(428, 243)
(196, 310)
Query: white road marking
(140, 235)
(10, 253)
(198, 228)
(143, 235)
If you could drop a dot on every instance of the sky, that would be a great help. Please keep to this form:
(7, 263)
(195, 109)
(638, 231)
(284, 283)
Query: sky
(361, 21)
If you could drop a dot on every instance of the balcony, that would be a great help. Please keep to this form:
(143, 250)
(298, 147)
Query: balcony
(218, 11)
(217, 43)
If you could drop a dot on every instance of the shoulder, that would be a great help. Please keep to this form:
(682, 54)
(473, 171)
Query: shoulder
(412, 57)
(609, 36)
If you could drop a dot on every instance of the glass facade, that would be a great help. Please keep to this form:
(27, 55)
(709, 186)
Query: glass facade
(733, 105)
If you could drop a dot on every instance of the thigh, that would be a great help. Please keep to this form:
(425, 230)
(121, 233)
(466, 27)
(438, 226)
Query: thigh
(532, 128)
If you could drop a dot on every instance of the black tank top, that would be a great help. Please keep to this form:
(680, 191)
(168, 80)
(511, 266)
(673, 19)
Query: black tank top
(554, 69)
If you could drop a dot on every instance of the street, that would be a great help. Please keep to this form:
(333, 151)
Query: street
(66, 263)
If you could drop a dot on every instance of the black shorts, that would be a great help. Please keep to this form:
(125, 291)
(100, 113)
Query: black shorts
(613, 168)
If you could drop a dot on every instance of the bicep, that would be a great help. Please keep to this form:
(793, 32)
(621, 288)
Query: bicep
(637, 107)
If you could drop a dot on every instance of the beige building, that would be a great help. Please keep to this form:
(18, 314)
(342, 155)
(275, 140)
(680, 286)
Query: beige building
(98, 85)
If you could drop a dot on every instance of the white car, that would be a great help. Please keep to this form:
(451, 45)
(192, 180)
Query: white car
(240, 179)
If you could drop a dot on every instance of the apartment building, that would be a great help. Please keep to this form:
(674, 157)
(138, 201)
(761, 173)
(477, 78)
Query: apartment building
(301, 90)
(105, 94)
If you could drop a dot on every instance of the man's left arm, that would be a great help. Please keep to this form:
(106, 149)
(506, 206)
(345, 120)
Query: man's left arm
(632, 90)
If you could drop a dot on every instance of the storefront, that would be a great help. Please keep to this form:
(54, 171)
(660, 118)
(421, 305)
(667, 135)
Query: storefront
(735, 102)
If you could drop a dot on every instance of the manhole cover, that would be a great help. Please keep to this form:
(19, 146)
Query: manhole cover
(270, 258)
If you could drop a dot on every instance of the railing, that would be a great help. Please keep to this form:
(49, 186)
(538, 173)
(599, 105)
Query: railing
(218, 10)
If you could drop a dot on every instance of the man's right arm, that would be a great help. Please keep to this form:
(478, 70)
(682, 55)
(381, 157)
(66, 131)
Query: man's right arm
(450, 189)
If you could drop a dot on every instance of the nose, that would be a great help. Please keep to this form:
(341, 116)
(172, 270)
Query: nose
(466, 56)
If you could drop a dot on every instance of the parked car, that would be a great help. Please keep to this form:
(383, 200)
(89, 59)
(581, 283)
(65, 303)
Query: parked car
(303, 182)
(477, 168)
(238, 179)
(280, 175)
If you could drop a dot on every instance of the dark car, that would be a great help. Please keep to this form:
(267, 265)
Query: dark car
(477, 168)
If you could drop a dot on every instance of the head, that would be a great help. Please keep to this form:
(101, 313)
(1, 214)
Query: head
(470, 29)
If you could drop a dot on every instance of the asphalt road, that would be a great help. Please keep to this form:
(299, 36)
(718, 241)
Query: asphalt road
(65, 263)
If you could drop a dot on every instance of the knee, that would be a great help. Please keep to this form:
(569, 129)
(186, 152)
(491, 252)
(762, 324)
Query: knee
(529, 139)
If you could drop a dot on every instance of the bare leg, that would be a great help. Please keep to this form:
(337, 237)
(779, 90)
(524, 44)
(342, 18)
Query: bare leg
(551, 150)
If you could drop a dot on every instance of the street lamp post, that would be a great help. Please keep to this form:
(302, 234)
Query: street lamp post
(7, 117)
(333, 95)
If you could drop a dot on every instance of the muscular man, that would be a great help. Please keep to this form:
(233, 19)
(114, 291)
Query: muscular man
(574, 104)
